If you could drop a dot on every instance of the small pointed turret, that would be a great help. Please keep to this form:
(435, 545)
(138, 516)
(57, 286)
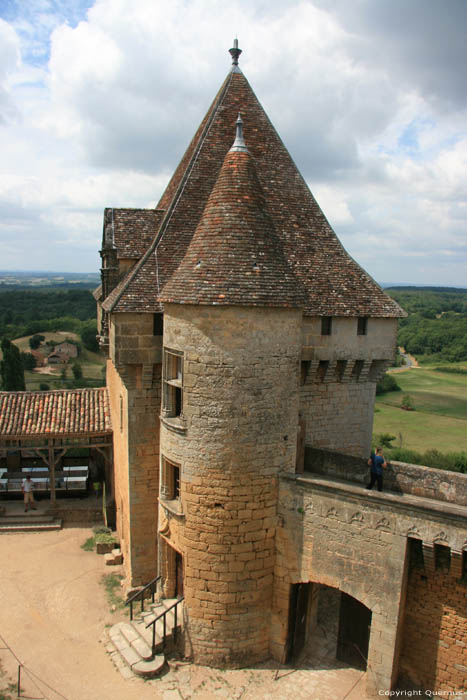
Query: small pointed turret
(235, 256)
(239, 143)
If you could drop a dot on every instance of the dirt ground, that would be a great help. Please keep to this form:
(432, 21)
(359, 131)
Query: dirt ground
(53, 619)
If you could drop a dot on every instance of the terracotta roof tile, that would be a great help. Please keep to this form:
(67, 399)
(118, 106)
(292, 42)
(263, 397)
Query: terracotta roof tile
(235, 256)
(335, 285)
(133, 229)
(63, 412)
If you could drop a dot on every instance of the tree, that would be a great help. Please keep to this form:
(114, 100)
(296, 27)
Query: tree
(11, 368)
(88, 336)
(77, 371)
(35, 341)
(28, 360)
(44, 387)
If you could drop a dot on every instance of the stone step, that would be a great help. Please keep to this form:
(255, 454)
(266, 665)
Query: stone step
(135, 640)
(30, 527)
(129, 651)
(26, 517)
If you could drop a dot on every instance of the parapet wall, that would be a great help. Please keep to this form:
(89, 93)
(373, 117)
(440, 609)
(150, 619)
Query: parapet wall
(413, 479)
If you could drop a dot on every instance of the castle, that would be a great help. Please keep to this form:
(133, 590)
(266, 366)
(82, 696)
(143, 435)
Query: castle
(244, 347)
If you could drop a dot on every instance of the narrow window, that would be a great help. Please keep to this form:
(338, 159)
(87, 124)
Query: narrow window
(158, 327)
(172, 405)
(362, 325)
(170, 483)
(326, 325)
(121, 413)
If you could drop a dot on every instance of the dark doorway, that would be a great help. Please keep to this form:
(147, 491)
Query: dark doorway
(354, 632)
(298, 618)
(178, 575)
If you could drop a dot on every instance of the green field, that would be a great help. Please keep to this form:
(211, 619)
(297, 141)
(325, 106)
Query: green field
(91, 363)
(439, 420)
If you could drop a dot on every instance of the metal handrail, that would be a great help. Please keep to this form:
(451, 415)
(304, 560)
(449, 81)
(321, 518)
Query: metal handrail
(140, 594)
(164, 614)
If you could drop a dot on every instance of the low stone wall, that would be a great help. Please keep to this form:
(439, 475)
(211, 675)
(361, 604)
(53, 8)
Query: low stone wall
(81, 516)
(400, 477)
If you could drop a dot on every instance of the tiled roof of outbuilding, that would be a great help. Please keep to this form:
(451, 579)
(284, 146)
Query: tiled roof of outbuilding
(133, 230)
(235, 256)
(64, 412)
(334, 284)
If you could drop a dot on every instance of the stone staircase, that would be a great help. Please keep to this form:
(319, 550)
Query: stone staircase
(32, 521)
(131, 642)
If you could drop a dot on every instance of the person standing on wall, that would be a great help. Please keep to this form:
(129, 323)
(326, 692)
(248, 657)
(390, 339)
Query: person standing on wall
(27, 488)
(377, 464)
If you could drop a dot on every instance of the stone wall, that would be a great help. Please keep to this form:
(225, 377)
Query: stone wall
(238, 430)
(339, 416)
(434, 652)
(399, 477)
(135, 390)
(337, 534)
(339, 376)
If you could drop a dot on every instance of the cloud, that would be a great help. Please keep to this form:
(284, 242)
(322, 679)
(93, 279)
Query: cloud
(100, 99)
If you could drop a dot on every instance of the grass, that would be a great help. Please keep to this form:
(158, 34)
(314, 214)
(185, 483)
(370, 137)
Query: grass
(113, 589)
(439, 420)
(101, 535)
(91, 363)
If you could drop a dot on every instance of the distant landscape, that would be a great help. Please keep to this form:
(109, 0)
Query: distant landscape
(420, 410)
(26, 280)
(421, 413)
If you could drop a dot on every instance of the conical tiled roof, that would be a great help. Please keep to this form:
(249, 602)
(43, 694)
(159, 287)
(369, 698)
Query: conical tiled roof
(334, 284)
(235, 256)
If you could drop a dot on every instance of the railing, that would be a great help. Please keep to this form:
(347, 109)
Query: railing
(163, 615)
(151, 586)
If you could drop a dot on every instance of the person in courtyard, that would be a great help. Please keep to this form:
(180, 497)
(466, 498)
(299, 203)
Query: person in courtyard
(377, 463)
(28, 491)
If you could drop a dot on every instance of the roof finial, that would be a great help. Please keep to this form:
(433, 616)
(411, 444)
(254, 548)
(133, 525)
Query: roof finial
(239, 143)
(235, 53)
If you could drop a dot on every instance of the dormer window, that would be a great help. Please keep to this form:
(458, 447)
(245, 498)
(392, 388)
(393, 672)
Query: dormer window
(326, 325)
(362, 325)
(172, 399)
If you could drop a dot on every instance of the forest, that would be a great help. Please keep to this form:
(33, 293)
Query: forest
(435, 329)
(27, 312)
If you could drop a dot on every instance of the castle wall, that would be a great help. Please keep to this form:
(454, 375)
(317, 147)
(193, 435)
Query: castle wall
(434, 652)
(134, 381)
(339, 416)
(239, 429)
(339, 536)
(339, 376)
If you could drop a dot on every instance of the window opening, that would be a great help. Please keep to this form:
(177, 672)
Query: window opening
(170, 483)
(362, 325)
(173, 382)
(326, 325)
(158, 324)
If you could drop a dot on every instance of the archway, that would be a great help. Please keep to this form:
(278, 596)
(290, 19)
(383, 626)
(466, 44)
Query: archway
(327, 624)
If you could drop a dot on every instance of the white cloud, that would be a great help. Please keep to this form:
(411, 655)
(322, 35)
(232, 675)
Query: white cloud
(100, 101)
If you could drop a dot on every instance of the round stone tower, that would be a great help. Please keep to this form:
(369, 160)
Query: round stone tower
(232, 341)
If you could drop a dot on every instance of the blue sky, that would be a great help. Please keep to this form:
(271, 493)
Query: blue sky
(99, 99)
